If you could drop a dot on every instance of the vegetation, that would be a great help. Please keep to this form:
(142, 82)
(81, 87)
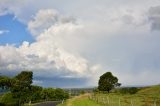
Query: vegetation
(128, 90)
(54, 94)
(22, 91)
(150, 90)
(107, 82)
(81, 100)
(8, 100)
(128, 96)
(147, 96)
(21, 88)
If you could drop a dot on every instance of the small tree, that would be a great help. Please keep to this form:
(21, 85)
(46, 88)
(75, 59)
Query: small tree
(107, 82)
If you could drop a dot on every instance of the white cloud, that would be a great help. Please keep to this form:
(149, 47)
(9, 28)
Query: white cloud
(3, 31)
(43, 20)
(47, 53)
(72, 41)
(37, 82)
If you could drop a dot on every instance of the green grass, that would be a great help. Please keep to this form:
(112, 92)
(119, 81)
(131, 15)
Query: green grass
(82, 100)
(150, 90)
(118, 99)
(146, 96)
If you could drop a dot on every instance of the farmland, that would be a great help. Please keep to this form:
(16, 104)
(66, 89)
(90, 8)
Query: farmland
(147, 96)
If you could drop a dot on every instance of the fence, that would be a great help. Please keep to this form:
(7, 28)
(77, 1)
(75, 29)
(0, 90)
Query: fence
(114, 100)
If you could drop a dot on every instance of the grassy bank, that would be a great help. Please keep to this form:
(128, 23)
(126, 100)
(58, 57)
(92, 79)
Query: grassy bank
(148, 96)
(81, 100)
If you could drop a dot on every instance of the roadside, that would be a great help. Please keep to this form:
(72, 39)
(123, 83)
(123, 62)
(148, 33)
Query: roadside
(81, 100)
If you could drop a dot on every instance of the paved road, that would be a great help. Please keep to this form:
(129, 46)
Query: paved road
(51, 103)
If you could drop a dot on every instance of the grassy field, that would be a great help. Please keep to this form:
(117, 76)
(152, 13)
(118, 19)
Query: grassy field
(126, 100)
(148, 96)
(81, 100)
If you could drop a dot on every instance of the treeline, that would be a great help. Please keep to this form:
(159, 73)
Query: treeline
(122, 90)
(127, 90)
(22, 91)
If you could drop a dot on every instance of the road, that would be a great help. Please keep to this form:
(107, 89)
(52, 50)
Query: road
(50, 103)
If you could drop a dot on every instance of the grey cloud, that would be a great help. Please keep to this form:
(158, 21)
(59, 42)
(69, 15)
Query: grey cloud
(154, 17)
(62, 82)
(45, 18)
(128, 19)
(124, 50)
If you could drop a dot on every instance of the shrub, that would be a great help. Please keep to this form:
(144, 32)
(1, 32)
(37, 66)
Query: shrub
(129, 90)
(8, 100)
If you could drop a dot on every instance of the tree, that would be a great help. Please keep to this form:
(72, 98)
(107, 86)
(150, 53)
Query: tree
(35, 93)
(54, 94)
(107, 82)
(5, 82)
(21, 88)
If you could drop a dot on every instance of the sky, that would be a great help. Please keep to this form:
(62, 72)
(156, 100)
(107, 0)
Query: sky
(71, 43)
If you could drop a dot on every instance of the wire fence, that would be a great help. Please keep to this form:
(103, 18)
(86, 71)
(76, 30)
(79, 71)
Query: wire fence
(112, 100)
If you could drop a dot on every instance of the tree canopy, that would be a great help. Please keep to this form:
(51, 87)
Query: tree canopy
(107, 82)
(22, 90)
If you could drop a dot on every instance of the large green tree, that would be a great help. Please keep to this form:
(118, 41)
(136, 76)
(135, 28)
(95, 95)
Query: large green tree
(21, 88)
(107, 82)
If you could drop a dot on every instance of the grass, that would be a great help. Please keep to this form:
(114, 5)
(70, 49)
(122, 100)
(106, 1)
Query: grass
(113, 99)
(148, 96)
(81, 100)
(150, 90)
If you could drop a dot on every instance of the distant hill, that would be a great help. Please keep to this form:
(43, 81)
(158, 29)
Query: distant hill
(150, 90)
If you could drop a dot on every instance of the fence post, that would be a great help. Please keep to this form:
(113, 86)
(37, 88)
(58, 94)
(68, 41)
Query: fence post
(154, 103)
(103, 101)
(131, 102)
(108, 99)
(62, 101)
(119, 102)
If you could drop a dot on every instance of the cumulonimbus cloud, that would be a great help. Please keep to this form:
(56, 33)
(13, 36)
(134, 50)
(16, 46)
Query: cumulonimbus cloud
(99, 39)
(154, 17)
(47, 53)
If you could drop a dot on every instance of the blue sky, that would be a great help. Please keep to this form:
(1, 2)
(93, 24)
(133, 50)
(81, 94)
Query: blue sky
(16, 31)
(70, 44)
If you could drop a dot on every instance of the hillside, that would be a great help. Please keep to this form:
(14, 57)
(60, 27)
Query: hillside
(150, 90)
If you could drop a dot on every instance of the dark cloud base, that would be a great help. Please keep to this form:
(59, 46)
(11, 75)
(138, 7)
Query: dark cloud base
(62, 82)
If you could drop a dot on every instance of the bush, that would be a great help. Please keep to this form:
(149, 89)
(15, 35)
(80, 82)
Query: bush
(82, 92)
(96, 90)
(2, 104)
(130, 90)
(54, 94)
(8, 100)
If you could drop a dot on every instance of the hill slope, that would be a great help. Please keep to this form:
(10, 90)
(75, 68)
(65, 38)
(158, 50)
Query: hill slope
(150, 90)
